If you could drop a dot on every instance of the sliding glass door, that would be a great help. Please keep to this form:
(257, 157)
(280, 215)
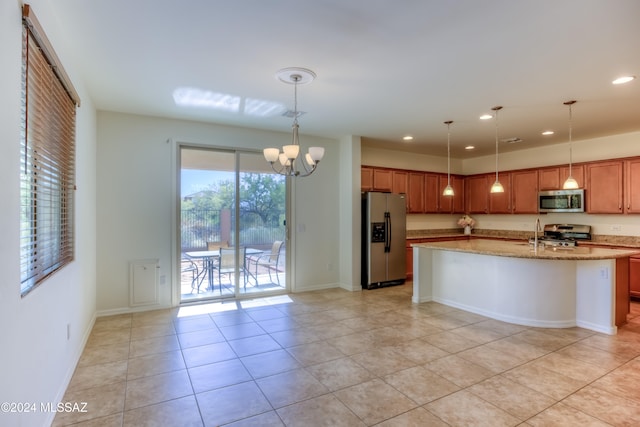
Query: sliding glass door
(232, 225)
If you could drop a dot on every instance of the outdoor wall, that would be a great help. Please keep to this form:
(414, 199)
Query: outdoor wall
(136, 200)
(36, 358)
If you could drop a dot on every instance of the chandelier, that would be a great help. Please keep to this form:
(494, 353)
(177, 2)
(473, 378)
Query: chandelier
(287, 162)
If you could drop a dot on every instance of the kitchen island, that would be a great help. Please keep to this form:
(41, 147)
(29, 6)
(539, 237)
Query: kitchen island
(514, 282)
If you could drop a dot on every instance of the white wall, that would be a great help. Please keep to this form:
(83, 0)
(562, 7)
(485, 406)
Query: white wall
(614, 146)
(350, 232)
(135, 201)
(36, 359)
(609, 147)
(404, 160)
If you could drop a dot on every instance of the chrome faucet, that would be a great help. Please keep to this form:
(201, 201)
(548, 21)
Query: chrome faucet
(537, 228)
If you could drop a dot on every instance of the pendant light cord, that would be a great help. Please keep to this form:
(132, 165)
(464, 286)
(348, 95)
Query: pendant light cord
(449, 152)
(570, 140)
(496, 117)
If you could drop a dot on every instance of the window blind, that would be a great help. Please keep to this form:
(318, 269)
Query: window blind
(47, 161)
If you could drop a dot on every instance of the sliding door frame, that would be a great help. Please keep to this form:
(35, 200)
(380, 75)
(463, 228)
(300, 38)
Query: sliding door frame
(176, 249)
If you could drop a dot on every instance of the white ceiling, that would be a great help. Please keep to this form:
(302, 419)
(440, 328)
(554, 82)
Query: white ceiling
(384, 68)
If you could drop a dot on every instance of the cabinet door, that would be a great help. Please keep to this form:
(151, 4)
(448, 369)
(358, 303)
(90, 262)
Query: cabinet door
(476, 193)
(431, 194)
(578, 174)
(632, 184)
(382, 179)
(604, 182)
(549, 179)
(416, 192)
(457, 182)
(634, 276)
(501, 202)
(399, 181)
(366, 178)
(524, 193)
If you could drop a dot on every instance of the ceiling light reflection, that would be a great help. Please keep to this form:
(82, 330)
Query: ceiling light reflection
(623, 80)
(193, 97)
(199, 98)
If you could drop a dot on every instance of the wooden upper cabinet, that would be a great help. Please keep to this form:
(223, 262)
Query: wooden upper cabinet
(382, 179)
(554, 177)
(524, 191)
(366, 178)
(632, 185)
(578, 174)
(549, 179)
(455, 203)
(604, 187)
(416, 192)
(400, 181)
(500, 202)
(431, 194)
(457, 182)
(476, 193)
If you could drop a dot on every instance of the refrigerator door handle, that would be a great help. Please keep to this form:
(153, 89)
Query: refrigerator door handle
(387, 234)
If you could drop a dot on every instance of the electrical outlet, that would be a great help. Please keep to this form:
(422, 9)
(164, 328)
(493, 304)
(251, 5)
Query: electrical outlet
(604, 273)
(616, 227)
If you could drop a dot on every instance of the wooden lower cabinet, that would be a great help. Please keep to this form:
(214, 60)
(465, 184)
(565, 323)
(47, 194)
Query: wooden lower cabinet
(634, 276)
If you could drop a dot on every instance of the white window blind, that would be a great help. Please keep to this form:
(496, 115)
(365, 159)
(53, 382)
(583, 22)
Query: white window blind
(47, 159)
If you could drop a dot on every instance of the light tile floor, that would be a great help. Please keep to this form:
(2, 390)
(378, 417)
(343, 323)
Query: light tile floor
(338, 358)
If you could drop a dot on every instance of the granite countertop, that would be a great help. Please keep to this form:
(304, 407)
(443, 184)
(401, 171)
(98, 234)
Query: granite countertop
(525, 250)
(631, 242)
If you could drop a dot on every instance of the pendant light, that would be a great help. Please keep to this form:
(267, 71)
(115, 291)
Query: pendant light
(290, 164)
(448, 190)
(570, 183)
(497, 187)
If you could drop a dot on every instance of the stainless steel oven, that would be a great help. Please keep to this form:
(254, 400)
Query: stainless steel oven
(561, 201)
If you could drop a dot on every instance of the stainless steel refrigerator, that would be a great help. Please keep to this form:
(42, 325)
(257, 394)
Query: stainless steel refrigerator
(384, 231)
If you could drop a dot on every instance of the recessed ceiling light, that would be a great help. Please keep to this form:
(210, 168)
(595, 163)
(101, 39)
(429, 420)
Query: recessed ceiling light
(469, 147)
(548, 132)
(623, 80)
(408, 138)
(486, 117)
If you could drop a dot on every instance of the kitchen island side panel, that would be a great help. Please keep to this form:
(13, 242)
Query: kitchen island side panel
(552, 293)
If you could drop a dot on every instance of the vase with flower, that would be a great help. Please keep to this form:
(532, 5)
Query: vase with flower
(467, 223)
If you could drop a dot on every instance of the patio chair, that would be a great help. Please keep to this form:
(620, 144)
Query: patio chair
(187, 265)
(270, 261)
(214, 246)
(227, 264)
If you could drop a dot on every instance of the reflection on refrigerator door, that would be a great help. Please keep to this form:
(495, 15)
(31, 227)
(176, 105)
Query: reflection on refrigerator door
(383, 239)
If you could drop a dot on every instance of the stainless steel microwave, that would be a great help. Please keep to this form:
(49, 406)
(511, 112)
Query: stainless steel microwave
(561, 201)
